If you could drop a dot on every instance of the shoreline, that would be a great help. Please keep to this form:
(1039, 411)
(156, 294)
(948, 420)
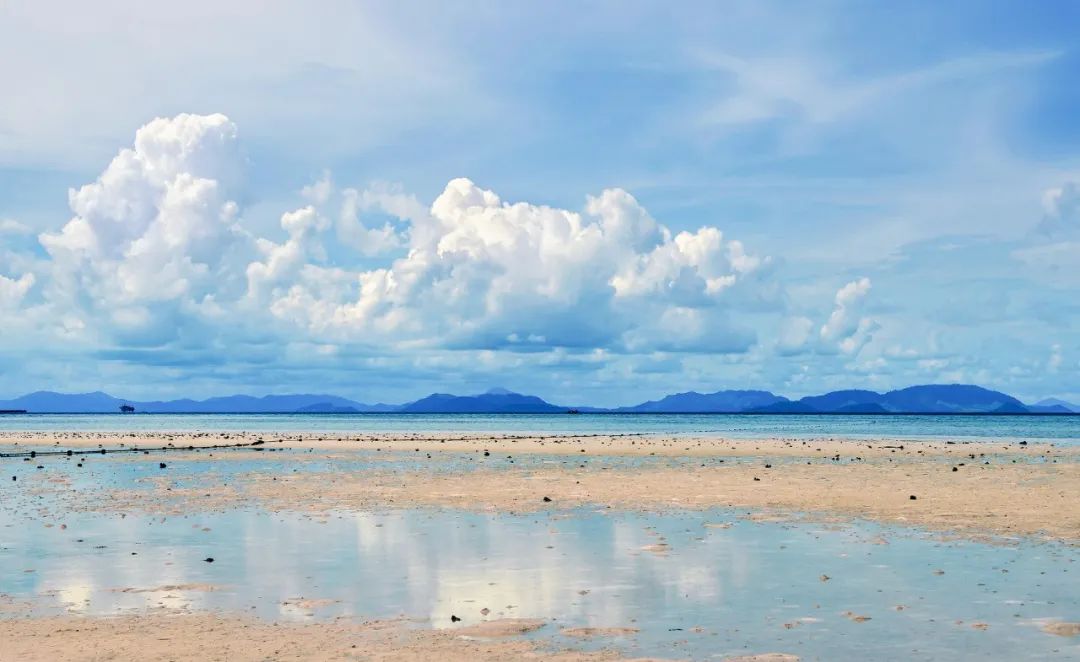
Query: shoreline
(543, 443)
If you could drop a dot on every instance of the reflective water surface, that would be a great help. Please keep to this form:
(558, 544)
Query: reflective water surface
(695, 584)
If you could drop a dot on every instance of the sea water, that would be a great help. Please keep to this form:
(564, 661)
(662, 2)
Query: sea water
(1064, 429)
(750, 587)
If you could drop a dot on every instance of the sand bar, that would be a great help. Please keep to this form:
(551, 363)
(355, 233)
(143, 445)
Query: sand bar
(999, 488)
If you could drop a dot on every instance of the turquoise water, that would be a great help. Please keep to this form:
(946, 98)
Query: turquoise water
(1060, 428)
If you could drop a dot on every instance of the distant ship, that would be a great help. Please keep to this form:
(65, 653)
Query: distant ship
(12, 411)
(126, 409)
(572, 411)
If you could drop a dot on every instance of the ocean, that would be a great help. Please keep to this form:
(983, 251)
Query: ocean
(1062, 429)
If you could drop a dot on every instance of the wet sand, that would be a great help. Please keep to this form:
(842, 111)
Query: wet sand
(169, 636)
(966, 489)
(972, 489)
(546, 444)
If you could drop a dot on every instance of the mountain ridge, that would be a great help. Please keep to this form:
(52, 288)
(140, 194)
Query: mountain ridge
(919, 399)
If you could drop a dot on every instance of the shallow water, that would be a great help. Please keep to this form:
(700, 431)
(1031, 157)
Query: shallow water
(749, 587)
(1064, 429)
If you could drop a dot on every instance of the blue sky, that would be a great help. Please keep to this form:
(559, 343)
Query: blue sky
(596, 202)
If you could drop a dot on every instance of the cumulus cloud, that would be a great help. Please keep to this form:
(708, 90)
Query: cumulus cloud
(846, 329)
(483, 273)
(152, 238)
(157, 251)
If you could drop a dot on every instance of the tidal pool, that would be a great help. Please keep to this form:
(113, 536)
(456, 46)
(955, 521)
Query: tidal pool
(700, 585)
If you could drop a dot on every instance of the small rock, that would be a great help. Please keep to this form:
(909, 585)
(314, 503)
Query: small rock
(209, 559)
(454, 619)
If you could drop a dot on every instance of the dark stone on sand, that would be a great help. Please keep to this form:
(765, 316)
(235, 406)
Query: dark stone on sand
(955, 469)
(913, 497)
(547, 499)
(454, 619)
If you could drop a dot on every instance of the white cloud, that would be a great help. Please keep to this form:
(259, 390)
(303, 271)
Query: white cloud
(846, 329)
(155, 235)
(157, 250)
(11, 226)
(1052, 251)
(319, 192)
(483, 273)
(12, 290)
(1061, 208)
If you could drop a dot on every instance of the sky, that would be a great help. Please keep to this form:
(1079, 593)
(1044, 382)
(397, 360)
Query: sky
(594, 202)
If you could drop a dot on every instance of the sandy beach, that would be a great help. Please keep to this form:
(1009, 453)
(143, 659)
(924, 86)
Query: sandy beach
(1001, 492)
(963, 488)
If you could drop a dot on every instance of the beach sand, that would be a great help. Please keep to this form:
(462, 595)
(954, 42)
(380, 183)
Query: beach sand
(969, 490)
(973, 489)
(180, 636)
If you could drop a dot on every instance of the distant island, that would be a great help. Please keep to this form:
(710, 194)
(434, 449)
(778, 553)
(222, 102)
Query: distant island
(923, 399)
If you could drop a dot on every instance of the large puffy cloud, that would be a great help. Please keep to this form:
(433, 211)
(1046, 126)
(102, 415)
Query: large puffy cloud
(156, 265)
(152, 239)
(483, 273)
